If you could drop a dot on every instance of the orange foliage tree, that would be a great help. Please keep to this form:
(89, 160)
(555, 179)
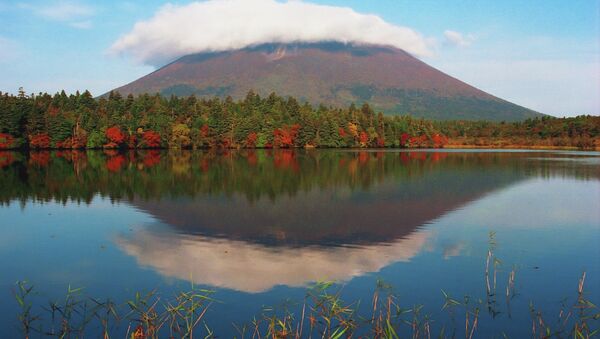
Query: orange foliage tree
(38, 141)
(418, 141)
(151, 139)
(64, 144)
(79, 142)
(363, 139)
(251, 140)
(439, 140)
(285, 136)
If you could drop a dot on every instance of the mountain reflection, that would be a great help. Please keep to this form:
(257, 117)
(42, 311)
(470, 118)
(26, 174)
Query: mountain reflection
(250, 220)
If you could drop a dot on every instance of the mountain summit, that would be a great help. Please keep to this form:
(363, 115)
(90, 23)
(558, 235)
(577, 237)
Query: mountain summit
(389, 79)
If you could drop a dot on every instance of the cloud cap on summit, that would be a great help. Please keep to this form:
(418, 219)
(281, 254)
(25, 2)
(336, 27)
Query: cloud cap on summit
(221, 25)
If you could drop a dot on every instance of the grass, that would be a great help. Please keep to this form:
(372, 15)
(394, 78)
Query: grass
(322, 314)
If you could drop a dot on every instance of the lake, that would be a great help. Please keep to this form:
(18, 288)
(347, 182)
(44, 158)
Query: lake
(260, 227)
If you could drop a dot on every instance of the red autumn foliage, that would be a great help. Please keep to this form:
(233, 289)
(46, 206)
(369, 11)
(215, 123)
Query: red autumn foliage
(439, 140)
(151, 139)
(6, 158)
(285, 136)
(418, 141)
(39, 158)
(151, 159)
(115, 136)
(6, 140)
(226, 143)
(363, 138)
(380, 142)
(38, 141)
(71, 143)
(64, 144)
(342, 132)
(251, 140)
(78, 142)
(413, 141)
(115, 163)
(404, 139)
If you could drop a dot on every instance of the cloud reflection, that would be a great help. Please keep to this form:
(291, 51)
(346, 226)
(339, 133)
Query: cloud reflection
(252, 267)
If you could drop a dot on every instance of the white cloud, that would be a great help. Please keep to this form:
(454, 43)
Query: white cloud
(458, 39)
(219, 25)
(73, 13)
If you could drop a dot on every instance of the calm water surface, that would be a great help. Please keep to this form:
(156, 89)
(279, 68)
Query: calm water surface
(259, 227)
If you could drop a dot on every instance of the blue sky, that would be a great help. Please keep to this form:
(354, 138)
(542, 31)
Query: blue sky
(540, 54)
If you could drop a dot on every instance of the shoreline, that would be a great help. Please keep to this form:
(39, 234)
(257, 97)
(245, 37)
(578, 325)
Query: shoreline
(446, 146)
(523, 147)
(452, 147)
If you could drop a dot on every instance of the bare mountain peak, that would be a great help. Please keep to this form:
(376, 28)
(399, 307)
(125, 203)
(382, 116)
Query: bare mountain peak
(332, 73)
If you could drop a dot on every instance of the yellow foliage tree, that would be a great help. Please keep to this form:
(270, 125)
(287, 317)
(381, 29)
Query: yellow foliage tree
(180, 136)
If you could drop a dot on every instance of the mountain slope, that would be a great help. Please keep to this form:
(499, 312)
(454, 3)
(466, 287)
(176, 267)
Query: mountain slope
(389, 79)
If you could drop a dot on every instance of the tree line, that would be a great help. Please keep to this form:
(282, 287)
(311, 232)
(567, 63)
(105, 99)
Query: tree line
(582, 132)
(80, 121)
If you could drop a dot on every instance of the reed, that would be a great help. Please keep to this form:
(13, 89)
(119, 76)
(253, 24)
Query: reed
(322, 313)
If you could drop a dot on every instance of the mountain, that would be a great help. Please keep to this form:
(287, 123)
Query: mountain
(389, 79)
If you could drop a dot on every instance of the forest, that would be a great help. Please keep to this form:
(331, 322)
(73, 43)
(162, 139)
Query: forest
(80, 121)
